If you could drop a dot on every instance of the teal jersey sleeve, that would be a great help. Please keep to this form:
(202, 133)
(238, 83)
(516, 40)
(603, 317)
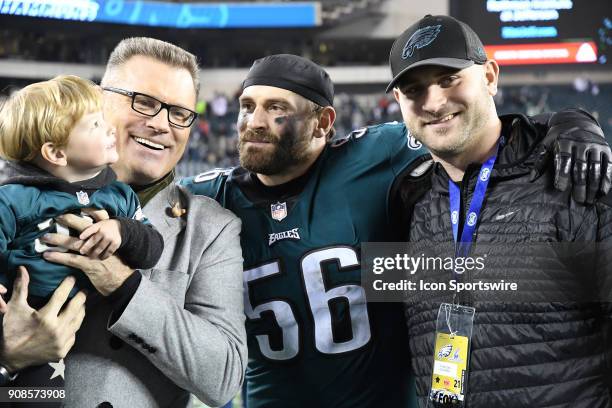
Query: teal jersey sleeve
(402, 147)
(380, 153)
(8, 217)
(210, 183)
(15, 201)
(388, 144)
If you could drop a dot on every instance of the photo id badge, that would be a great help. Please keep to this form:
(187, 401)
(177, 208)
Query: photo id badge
(451, 356)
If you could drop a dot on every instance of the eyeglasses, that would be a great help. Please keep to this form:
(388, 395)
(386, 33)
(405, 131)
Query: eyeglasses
(150, 106)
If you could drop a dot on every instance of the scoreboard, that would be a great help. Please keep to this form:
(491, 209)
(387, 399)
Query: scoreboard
(526, 32)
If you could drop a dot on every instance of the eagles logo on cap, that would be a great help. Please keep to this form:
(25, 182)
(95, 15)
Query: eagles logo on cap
(421, 38)
(435, 40)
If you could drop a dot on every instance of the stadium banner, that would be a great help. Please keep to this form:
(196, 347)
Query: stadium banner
(174, 15)
(541, 32)
(546, 53)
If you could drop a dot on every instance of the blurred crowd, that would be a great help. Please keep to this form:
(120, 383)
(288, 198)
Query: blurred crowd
(213, 141)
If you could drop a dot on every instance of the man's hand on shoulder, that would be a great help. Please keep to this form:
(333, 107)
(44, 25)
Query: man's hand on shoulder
(582, 156)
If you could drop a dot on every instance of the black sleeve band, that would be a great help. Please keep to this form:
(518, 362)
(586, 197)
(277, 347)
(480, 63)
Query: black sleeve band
(141, 244)
(121, 297)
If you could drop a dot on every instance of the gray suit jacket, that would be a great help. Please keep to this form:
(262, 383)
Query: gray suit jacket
(182, 332)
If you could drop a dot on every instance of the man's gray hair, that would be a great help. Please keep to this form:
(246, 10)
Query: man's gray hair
(161, 51)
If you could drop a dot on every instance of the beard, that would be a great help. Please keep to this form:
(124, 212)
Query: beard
(282, 153)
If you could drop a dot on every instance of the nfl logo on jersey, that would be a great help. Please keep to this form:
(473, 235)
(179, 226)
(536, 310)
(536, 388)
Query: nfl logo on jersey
(279, 211)
(82, 197)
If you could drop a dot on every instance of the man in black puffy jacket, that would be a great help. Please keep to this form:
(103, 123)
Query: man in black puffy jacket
(523, 354)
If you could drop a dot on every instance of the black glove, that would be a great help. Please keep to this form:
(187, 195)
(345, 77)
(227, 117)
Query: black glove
(582, 156)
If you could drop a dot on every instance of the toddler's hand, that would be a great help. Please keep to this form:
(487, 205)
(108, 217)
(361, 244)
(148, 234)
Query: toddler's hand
(102, 239)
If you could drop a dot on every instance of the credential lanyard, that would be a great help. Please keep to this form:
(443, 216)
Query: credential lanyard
(455, 322)
(462, 246)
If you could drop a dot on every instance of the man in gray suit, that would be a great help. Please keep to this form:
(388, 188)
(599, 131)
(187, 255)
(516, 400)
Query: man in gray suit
(149, 337)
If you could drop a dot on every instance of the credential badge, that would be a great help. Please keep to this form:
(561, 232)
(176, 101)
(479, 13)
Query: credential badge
(279, 211)
(82, 197)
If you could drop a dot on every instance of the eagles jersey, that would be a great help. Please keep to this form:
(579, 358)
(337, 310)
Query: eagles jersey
(28, 204)
(314, 341)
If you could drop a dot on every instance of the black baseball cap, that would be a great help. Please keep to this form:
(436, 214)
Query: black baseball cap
(435, 40)
(294, 73)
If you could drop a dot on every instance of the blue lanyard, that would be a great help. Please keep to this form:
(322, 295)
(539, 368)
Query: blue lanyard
(462, 247)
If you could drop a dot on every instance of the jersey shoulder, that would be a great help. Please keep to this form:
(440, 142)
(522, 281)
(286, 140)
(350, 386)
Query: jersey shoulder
(125, 199)
(119, 191)
(383, 142)
(20, 198)
(381, 136)
(211, 183)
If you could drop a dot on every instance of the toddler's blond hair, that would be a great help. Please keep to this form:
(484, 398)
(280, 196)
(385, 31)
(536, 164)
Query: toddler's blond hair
(44, 112)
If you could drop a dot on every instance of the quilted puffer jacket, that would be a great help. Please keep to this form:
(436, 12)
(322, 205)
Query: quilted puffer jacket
(523, 354)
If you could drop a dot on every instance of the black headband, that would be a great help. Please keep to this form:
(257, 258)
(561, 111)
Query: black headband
(295, 74)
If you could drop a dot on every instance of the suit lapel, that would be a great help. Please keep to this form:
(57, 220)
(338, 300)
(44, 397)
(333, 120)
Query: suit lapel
(158, 211)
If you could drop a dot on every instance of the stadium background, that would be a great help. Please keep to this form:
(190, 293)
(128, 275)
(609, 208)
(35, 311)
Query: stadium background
(553, 54)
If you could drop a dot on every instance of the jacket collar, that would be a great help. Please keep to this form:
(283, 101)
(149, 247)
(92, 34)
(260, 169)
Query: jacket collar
(30, 175)
(148, 191)
(516, 158)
